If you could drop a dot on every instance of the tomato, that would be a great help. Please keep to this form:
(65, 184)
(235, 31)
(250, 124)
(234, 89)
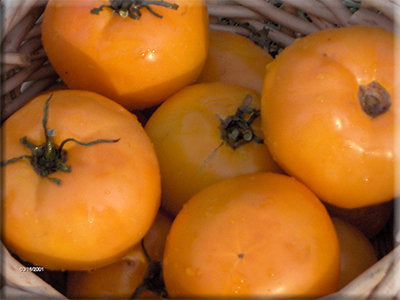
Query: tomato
(356, 252)
(137, 63)
(327, 116)
(263, 234)
(196, 148)
(235, 59)
(120, 279)
(87, 216)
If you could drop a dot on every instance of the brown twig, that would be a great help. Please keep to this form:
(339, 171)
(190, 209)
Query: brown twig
(387, 7)
(341, 12)
(320, 23)
(274, 34)
(367, 17)
(234, 29)
(12, 58)
(279, 16)
(34, 32)
(33, 90)
(232, 11)
(16, 80)
(315, 8)
(17, 35)
(31, 46)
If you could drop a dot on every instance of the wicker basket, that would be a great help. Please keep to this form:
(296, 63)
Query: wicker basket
(272, 24)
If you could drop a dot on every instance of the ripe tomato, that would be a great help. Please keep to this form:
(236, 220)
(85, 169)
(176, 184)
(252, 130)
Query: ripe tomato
(137, 63)
(120, 279)
(262, 234)
(327, 116)
(356, 252)
(195, 148)
(102, 206)
(235, 59)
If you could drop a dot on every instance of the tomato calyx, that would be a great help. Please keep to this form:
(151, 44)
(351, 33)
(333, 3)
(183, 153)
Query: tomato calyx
(132, 8)
(236, 130)
(374, 99)
(153, 279)
(48, 158)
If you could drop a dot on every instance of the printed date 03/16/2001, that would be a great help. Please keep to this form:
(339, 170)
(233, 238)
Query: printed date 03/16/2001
(31, 269)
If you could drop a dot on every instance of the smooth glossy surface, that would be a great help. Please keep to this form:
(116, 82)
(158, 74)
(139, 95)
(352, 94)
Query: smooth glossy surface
(186, 135)
(102, 207)
(137, 63)
(262, 234)
(120, 279)
(315, 126)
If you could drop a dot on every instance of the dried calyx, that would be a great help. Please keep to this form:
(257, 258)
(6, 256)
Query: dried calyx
(48, 158)
(132, 8)
(153, 279)
(236, 130)
(374, 99)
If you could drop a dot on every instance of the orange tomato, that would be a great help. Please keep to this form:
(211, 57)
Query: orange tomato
(102, 206)
(262, 234)
(121, 279)
(235, 59)
(327, 116)
(193, 150)
(137, 63)
(356, 252)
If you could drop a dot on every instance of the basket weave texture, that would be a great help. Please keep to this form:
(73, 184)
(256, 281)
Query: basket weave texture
(272, 24)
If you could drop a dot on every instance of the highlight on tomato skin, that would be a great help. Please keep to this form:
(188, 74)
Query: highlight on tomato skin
(338, 142)
(136, 62)
(204, 133)
(122, 278)
(66, 197)
(254, 235)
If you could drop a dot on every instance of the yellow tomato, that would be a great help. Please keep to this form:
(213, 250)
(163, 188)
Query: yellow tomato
(356, 252)
(327, 114)
(137, 63)
(199, 140)
(77, 207)
(121, 278)
(255, 235)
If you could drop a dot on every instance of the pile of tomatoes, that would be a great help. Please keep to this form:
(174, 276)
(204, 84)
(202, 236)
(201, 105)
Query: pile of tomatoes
(183, 162)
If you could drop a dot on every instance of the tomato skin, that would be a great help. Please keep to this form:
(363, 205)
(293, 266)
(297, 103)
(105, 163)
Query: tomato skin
(262, 234)
(233, 58)
(356, 252)
(121, 278)
(73, 225)
(137, 63)
(345, 156)
(186, 135)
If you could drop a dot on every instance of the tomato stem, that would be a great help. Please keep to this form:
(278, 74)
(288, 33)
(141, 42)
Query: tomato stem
(374, 99)
(132, 8)
(153, 279)
(236, 130)
(48, 158)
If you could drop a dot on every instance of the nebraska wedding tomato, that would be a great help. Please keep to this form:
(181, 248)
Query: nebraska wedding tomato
(135, 52)
(233, 58)
(123, 277)
(204, 133)
(356, 252)
(255, 235)
(328, 109)
(71, 206)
